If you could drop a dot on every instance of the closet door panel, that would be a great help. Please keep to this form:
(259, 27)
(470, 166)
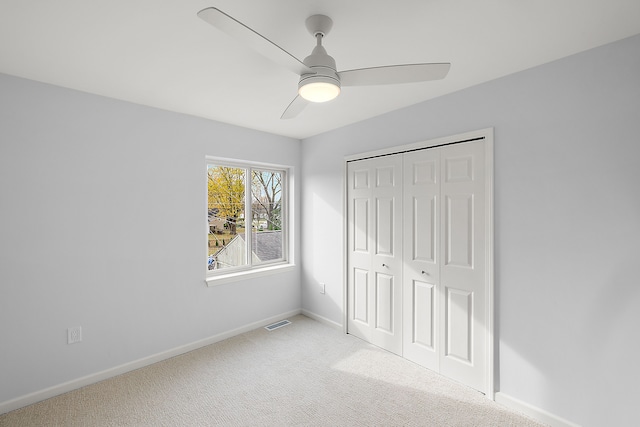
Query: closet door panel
(387, 257)
(458, 324)
(374, 292)
(360, 299)
(421, 235)
(423, 315)
(458, 226)
(462, 275)
(359, 253)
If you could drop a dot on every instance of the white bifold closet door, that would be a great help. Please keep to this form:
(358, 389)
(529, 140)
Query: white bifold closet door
(375, 255)
(416, 258)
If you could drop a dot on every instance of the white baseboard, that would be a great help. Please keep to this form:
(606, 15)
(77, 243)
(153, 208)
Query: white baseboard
(536, 413)
(49, 392)
(322, 319)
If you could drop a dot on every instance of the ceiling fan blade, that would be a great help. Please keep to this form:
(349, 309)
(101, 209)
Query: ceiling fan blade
(297, 105)
(253, 39)
(394, 74)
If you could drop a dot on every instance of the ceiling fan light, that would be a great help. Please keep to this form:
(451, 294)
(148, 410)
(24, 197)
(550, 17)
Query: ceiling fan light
(319, 91)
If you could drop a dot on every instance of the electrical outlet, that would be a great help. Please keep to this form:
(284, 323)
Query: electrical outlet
(322, 288)
(74, 335)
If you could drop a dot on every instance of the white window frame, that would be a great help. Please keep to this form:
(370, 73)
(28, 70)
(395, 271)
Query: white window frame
(223, 276)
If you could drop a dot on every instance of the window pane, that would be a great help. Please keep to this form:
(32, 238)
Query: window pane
(266, 212)
(227, 244)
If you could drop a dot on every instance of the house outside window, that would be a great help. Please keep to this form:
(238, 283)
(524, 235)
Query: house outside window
(246, 216)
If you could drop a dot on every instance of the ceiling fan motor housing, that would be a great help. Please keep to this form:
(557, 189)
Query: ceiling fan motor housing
(323, 66)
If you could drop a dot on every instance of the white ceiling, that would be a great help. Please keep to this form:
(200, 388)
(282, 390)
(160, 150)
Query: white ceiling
(160, 54)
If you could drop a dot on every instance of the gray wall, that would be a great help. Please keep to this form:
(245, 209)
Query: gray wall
(567, 224)
(102, 225)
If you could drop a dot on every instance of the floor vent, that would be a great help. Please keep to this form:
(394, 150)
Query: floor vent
(277, 325)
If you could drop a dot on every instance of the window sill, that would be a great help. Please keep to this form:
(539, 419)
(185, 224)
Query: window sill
(222, 279)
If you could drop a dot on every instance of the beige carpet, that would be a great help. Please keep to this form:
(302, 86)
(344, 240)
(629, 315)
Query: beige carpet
(303, 374)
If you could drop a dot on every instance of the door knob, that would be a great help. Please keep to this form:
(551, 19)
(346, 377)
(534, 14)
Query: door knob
(424, 272)
(384, 265)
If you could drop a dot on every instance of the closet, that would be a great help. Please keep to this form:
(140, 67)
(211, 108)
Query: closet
(419, 256)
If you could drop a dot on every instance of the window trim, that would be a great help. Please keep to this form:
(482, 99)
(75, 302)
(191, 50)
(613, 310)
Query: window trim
(253, 273)
(248, 271)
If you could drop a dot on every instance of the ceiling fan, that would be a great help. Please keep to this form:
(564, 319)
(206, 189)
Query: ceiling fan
(319, 79)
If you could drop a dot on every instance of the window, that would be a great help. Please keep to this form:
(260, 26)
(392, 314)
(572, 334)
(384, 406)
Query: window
(246, 213)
